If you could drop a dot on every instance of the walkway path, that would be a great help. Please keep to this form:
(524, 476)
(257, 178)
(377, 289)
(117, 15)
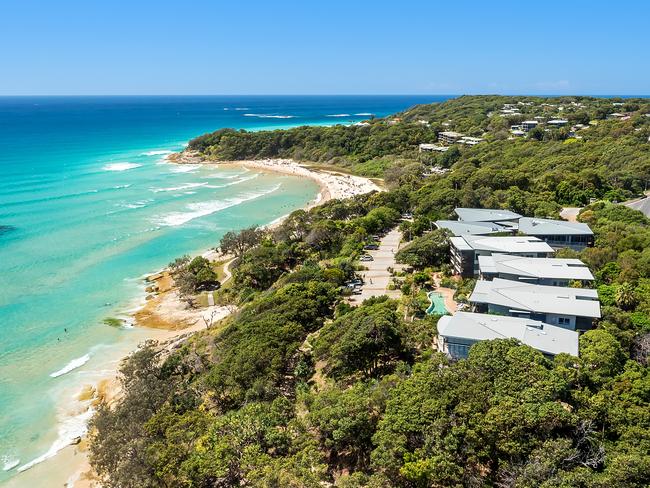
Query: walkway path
(377, 277)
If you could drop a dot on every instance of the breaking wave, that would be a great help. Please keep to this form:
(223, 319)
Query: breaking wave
(120, 166)
(69, 429)
(178, 188)
(266, 116)
(72, 365)
(184, 168)
(202, 209)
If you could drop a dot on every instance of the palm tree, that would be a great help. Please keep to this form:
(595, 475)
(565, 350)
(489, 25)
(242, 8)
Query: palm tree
(625, 298)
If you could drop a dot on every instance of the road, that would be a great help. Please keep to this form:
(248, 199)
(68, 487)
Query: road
(642, 204)
(377, 277)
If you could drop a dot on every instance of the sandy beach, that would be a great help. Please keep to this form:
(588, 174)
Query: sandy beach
(169, 320)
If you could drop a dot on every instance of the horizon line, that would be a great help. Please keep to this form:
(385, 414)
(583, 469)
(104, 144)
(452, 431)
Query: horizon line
(606, 95)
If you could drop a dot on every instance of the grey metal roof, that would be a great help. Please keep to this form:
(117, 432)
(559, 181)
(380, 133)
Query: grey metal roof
(460, 228)
(485, 214)
(505, 244)
(539, 227)
(578, 302)
(569, 269)
(480, 327)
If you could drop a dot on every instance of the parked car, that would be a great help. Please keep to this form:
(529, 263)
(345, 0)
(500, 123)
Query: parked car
(370, 247)
(366, 257)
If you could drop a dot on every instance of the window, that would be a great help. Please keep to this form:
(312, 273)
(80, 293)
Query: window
(564, 321)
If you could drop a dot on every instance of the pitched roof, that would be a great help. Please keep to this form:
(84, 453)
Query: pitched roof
(460, 228)
(485, 214)
(579, 302)
(479, 327)
(538, 227)
(502, 244)
(569, 269)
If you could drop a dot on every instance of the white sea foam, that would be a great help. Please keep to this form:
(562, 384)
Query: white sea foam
(222, 177)
(120, 166)
(72, 365)
(202, 209)
(236, 182)
(177, 188)
(158, 152)
(242, 108)
(136, 204)
(267, 116)
(9, 462)
(364, 114)
(69, 429)
(184, 168)
(119, 187)
(338, 115)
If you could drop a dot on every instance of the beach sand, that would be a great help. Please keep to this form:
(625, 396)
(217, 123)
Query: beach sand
(171, 322)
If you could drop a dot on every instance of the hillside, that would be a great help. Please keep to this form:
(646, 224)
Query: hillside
(300, 389)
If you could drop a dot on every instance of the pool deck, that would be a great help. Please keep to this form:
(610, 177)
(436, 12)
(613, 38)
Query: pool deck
(447, 293)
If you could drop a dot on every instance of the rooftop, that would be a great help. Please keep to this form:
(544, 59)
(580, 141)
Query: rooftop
(579, 302)
(485, 214)
(477, 326)
(507, 244)
(461, 228)
(569, 269)
(451, 134)
(535, 226)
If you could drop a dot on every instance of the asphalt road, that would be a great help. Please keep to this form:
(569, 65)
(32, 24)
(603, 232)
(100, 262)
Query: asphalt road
(642, 204)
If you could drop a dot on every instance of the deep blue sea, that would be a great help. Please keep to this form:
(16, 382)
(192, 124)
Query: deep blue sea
(88, 206)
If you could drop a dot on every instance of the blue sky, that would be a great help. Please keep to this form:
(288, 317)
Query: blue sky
(324, 47)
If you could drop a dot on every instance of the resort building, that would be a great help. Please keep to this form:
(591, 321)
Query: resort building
(537, 271)
(570, 308)
(433, 147)
(470, 141)
(503, 217)
(557, 122)
(462, 228)
(558, 233)
(465, 250)
(457, 333)
(449, 137)
(527, 125)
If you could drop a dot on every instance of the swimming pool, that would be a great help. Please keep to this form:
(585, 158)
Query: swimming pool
(437, 306)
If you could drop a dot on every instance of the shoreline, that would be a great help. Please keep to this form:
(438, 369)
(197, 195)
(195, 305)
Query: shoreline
(163, 317)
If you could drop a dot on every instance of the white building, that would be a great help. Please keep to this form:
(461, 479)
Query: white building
(458, 332)
(538, 271)
(571, 308)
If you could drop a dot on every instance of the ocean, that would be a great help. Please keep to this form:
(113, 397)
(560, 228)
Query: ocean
(88, 206)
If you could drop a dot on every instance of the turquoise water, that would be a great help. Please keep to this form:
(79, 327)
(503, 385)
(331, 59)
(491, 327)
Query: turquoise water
(437, 304)
(88, 206)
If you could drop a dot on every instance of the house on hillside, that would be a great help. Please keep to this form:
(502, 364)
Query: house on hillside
(458, 332)
(570, 308)
(557, 123)
(465, 250)
(528, 125)
(461, 228)
(433, 147)
(449, 137)
(537, 271)
(558, 233)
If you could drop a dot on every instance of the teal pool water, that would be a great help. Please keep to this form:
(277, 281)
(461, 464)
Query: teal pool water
(88, 206)
(437, 306)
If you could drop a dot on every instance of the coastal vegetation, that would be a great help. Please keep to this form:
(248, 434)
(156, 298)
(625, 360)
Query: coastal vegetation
(300, 389)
